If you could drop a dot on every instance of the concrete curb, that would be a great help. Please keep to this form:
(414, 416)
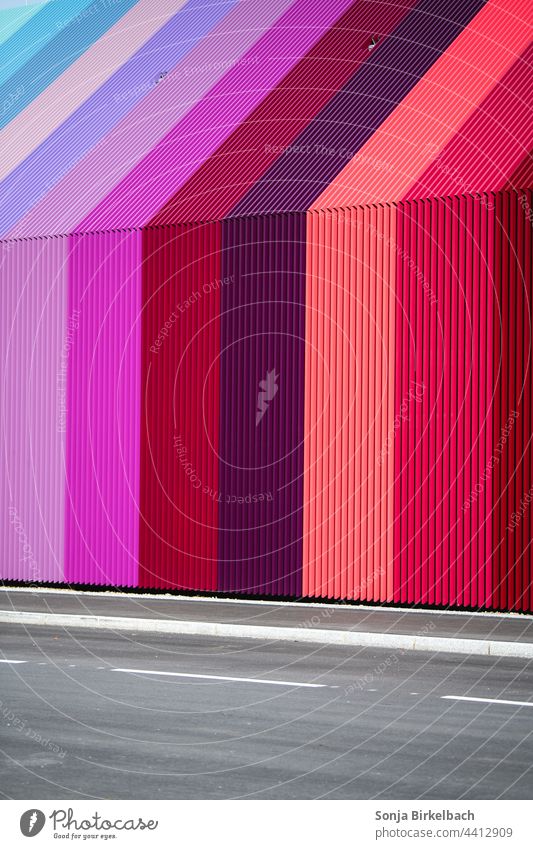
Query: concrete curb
(408, 642)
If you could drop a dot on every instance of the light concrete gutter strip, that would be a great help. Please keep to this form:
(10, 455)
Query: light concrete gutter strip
(487, 648)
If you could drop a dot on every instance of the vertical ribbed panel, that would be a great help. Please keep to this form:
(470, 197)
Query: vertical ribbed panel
(349, 392)
(443, 386)
(512, 420)
(33, 362)
(180, 493)
(261, 405)
(103, 409)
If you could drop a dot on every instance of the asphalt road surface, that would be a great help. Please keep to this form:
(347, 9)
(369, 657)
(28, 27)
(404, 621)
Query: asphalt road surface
(92, 714)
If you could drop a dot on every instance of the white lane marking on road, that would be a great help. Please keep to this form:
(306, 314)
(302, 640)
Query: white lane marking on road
(220, 678)
(4, 660)
(489, 701)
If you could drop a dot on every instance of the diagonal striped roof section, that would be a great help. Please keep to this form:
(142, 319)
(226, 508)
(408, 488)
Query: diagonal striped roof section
(491, 143)
(349, 120)
(86, 185)
(12, 19)
(523, 176)
(123, 113)
(118, 54)
(270, 130)
(193, 140)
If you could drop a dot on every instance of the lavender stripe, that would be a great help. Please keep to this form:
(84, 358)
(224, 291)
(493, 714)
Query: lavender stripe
(355, 113)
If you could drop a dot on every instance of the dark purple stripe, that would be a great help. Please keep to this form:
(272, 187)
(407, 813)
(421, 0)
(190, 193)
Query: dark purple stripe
(262, 329)
(392, 69)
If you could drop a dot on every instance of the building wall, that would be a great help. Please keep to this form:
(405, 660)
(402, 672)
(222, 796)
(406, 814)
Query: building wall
(333, 404)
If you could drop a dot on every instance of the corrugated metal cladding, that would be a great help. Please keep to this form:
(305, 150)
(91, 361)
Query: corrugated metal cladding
(332, 404)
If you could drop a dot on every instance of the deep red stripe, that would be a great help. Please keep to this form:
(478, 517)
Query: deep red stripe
(180, 407)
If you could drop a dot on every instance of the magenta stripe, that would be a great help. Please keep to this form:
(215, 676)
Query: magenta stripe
(102, 523)
(171, 163)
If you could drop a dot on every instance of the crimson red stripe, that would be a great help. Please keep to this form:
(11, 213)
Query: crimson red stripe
(180, 407)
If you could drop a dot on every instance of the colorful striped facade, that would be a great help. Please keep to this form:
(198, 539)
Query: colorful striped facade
(266, 298)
